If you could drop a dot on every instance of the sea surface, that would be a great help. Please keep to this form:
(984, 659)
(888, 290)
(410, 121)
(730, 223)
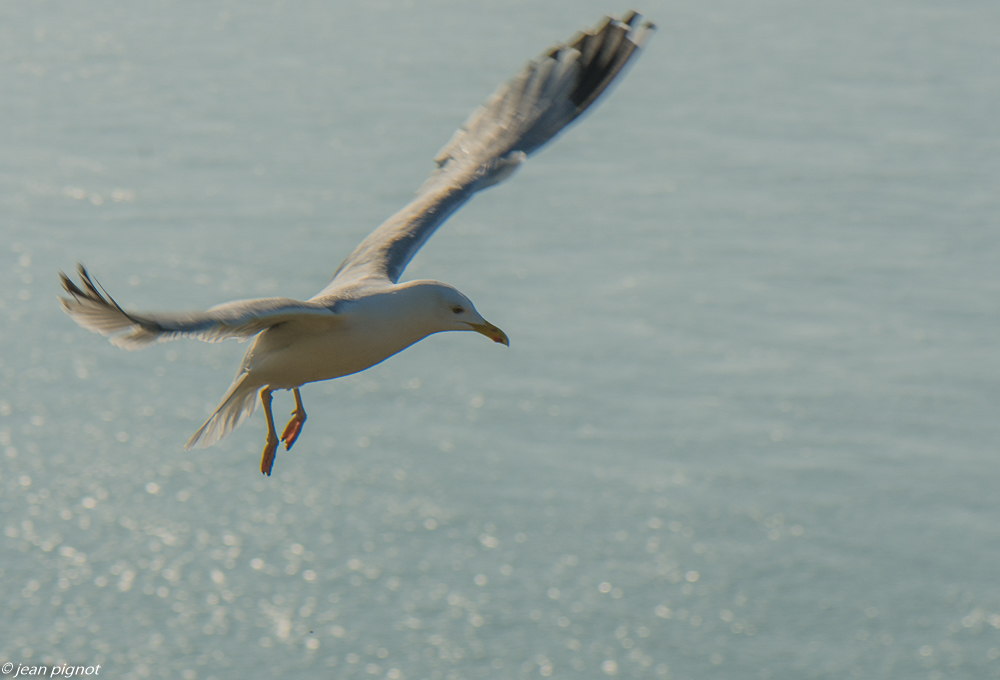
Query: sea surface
(747, 427)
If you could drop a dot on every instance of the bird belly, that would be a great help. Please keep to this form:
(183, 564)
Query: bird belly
(284, 357)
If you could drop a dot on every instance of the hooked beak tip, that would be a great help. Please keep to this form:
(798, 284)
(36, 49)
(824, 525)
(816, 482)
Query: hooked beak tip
(491, 332)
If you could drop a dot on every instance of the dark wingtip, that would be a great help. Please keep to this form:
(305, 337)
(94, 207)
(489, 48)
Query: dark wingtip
(637, 33)
(605, 51)
(70, 287)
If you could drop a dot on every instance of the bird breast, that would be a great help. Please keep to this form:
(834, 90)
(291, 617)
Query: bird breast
(316, 348)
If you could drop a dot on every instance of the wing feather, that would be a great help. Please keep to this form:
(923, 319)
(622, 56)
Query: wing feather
(91, 307)
(520, 117)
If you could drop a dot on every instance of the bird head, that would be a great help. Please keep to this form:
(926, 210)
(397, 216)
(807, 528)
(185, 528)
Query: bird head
(453, 311)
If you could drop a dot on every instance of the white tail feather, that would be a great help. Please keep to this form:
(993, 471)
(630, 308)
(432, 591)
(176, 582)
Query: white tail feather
(239, 402)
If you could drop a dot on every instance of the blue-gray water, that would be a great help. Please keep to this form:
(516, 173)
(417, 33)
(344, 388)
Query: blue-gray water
(747, 426)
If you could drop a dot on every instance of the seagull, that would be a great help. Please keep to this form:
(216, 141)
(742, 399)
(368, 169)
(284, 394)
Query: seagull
(364, 315)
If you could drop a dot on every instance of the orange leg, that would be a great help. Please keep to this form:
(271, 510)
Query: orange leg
(294, 426)
(267, 461)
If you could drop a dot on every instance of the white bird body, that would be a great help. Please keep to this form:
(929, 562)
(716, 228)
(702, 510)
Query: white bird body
(369, 329)
(364, 316)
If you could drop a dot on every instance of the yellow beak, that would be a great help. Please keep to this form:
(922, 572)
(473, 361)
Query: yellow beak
(491, 332)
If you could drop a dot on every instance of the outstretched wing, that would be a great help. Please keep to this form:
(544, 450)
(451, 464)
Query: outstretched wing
(521, 116)
(91, 307)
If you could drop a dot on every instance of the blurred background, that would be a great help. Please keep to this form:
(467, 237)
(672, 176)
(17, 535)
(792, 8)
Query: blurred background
(747, 425)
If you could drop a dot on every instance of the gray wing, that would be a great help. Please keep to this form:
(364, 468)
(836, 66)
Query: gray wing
(95, 310)
(520, 117)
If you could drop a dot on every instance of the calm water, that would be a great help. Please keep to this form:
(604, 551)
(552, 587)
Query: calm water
(747, 426)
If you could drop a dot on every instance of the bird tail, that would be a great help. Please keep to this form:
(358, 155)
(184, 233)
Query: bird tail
(238, 403)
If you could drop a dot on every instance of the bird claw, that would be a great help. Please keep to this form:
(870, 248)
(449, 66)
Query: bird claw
(292, 430)
(267, 461)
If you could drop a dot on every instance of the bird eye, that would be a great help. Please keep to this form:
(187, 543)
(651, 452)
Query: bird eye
(457, 309)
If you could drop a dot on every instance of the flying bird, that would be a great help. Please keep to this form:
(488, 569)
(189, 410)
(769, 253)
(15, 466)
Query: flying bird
(364, 315)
